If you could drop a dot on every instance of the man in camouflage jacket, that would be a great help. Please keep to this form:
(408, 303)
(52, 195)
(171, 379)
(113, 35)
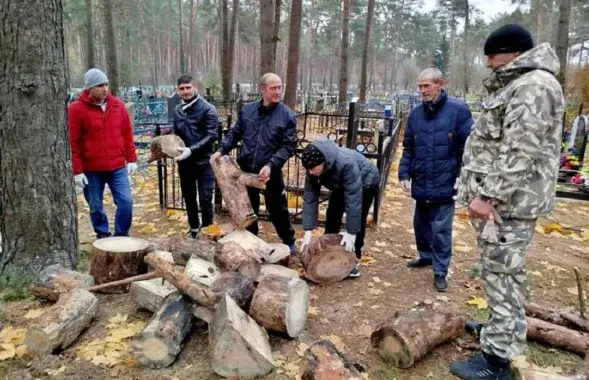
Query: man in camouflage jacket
(508, 180)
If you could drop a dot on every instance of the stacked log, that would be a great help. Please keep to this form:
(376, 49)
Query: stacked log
(55, 280)
(326, 261)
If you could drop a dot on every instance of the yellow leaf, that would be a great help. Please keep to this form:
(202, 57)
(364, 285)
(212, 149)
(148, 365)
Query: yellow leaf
(22, 350)
(380, 244)
(116, 320)
(478, 302)
(376, 279)
(55, 372)
(8, 351)
(585, 235)
(12, 335)
(34, 313)
(313, 310)
(302, 347)
(462, 249)
(148, 229)
(366, 260)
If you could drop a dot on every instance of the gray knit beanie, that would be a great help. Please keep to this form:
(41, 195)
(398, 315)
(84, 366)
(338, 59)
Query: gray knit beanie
(93, 78)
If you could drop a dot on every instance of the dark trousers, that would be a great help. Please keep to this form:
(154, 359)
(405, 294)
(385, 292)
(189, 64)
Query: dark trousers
(432, 223)
(193, 172)
(276, 205)
(335, 213)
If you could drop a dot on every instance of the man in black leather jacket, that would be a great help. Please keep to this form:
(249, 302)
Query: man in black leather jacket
(196, 123)
(267, 131)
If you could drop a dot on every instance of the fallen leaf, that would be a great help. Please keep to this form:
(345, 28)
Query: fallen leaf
(376, 279)
(313, 310)
(380, 244)
(8, 351)
(462, 249)
(375, 292)
(413, 247)
(443, 298)
(301, 348)
(12, 335)
(21, 350)
(536, 273)
(55, 372)
(386, 284)
(34, 313)
(478, 302)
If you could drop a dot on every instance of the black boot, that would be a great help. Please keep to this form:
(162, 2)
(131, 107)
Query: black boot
(482, 366)
(419, 263)
(440, 283)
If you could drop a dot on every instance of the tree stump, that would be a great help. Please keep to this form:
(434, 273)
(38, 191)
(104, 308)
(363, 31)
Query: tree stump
(281, 304)
(201, 271)
(149, 294)
(557, 336)
(164, 146)
(413, 334)
(322, 361)
(325, 260)
(276, 270)
(61, 325)
(55, 280)
(183, 248)
(230, 256)
(116, 258)
(160, 340)
(232, 182)
(239, 287)
(239, 347)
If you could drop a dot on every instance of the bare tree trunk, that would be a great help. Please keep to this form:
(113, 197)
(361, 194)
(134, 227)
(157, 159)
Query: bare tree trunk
(111, 47)
(191, 63)
(267, 56)
(225, 81)
(343, 69)
(276, 37)
(310, 49)
(90, 63)
(364, 69)
(232, 37)
(294, 39)
(465, 47)
(181, 55)
(38, 211)
(562, 40)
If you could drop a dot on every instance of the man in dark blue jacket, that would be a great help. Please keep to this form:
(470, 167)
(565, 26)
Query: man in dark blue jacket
(196, 123)
(435, 135)
(267, 131)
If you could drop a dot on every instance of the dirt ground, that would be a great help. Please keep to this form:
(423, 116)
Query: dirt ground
(345, 312)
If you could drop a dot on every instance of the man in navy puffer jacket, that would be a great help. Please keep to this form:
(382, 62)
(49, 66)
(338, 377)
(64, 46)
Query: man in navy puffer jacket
(435, 135)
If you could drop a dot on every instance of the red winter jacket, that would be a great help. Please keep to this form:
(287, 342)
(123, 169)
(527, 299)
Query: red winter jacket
(100, 141)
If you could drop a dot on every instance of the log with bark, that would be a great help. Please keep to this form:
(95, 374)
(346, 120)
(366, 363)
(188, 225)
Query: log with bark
(239, 287)
(230, 256)
(55, 280)
(160, 341)
(279, 255)
(183, 248)
(255, 247)
(565, 318)
(276, 270)
(61, 325)
(322, 361)
(411, 335)
(199, 293)
(557, 336)
(149, 294)
(164, 146)
(201, 271)
(239, 346)
(325, 260)
(232, 182)
(522, 373)
(116, 258)
(281, 304)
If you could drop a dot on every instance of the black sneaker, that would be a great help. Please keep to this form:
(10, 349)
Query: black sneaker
(482, 366)
(355, 272)
(440, 283)
(419, 263)
(193, 232)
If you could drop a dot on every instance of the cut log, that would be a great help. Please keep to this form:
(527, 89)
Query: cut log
(276, 270)
(149, 294)
(281, 304)
(202, 313)
(61, 325)
(116, 258)
(55, 280)
(239, 287)
(538, 374)
(557, 336)
(279, 255)
(159, 342)
(322, 361)
(325, 260)
(563, 318)
(256, 247)
(199, 293)
(239, 346)
(411, 335)
(230, 256)
(232, 182)
(201, 271)
(164, 146)
(183, 248)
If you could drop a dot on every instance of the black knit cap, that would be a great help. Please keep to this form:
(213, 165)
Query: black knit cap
(312, 157)
(509, 38)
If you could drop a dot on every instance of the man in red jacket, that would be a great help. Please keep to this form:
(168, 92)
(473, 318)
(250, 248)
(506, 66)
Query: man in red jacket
(101, 139)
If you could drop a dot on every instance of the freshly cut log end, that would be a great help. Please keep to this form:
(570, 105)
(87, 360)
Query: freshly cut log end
(280, 254)
(183, 249)
(165, 146)
(149, 294)
(201, 271)
(255, 247)
(239, 287)
(231, 256)
(160, 341)
(411, 335)
(276, 270)
(117, 258)
(538, 374)
(61, 325)
(326, 261)
(281, 304)
(55, 280)
(239, 346)
(322, 361)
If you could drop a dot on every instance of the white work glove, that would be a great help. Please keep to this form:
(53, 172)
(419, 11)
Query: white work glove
(80, 180)
(306, 240)
(406, 185)
(491, 229)
(184, 154)
(455, 196)
(131, 167)
(348, 241)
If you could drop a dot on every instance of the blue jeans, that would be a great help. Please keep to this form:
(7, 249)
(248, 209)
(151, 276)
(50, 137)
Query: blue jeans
(432, 223)
(120, 188)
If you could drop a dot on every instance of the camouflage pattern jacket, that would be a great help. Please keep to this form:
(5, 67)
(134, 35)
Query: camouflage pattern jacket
(513, 151)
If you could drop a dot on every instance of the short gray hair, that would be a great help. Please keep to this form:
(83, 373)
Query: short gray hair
(267, 77)
(432, 73)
